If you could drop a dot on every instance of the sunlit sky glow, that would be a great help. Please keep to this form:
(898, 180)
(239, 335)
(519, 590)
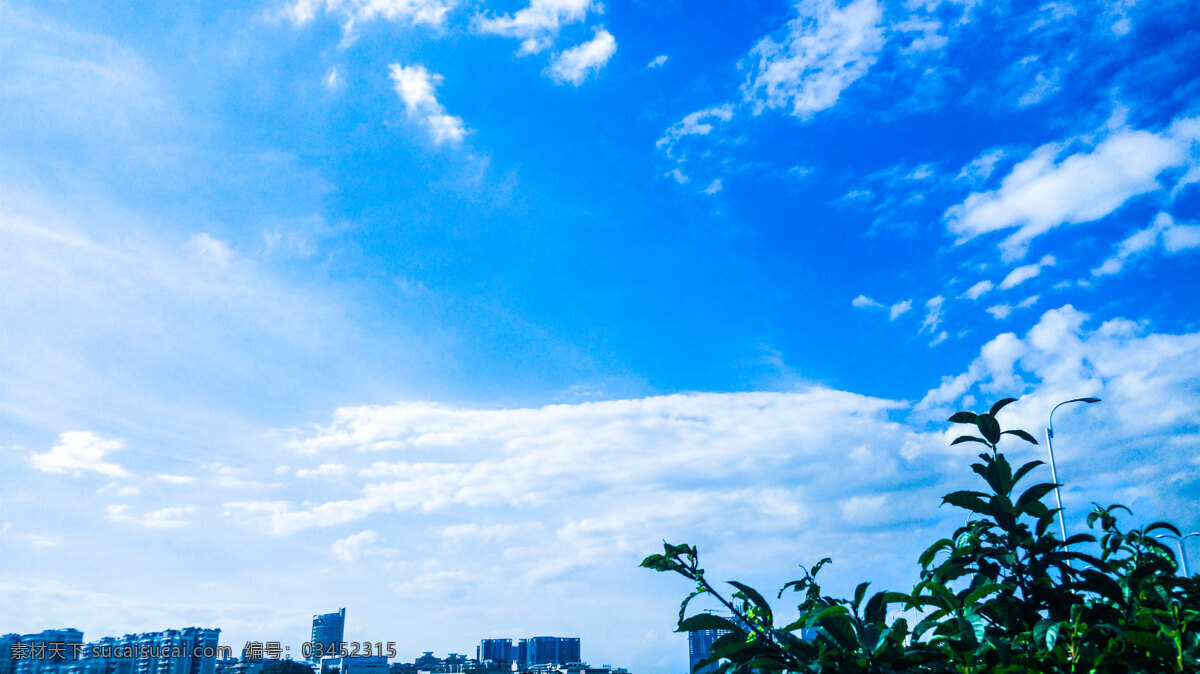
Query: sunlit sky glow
(450, 312)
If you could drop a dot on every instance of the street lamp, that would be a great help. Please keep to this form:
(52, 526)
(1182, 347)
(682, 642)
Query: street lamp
(1182, 552)
(1062, 527)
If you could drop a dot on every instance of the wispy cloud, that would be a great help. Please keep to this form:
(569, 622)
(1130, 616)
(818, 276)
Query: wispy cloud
(79, 452)
(699, 123)
(977, 290)
(575, 64)
(164, 518)
(1051, 188)
(1002, 311)
(862, 302)
(933, 314)
(1164, 231)
(352, 12)
(538, 24)
(360, 546)
(516, 458)
(1026, 272)
(415, 86)
(825, 49)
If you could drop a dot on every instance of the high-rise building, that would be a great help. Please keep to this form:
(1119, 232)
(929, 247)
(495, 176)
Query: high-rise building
(700, 643)
(328, 630)
(549, 650)
(191, 650)
(700, 647)
(46, 651)
(496, 650)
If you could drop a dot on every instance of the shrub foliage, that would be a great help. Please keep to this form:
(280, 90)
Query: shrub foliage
(1003, 594)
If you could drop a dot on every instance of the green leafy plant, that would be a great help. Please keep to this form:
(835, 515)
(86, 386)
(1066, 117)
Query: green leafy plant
(1001, 594)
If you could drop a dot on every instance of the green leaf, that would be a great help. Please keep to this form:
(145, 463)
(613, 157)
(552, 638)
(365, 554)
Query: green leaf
(967, 438)
(1161, 525)
(930, 552)
(683, 606)
(1000, 405)
(1034, 495)
(963, 418)
(1021, 434)
(1021, 472)
(708, 621)
(1149, 642)
(859, 593)
(673, 550)
(980, 592)
(876, 610)
(989, 427)
(753, 595)
(970, 500)
(659, 563)
(1052, 635)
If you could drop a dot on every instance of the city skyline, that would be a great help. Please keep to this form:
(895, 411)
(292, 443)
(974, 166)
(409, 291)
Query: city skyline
(450, 312)
(194, 650)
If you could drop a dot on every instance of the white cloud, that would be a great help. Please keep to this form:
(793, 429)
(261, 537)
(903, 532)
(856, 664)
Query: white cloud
(699, 123)
(933, 314)
(1026, 272)
(229, 477)
(657, 61)
(485, 532)
(1174, 238)
(713, 187)
(79, 451)
(1178, 238)
(325, 469)
(210, 250)
(1002, 311)
(432, 582)
(164, 518)
(351, 12)
(862, 302)
(42, 541)
(899, 309)
(981, 168)
(1049, 189)
(334, 80)
(676, 175)
(529, 458)
(826, 48)
(975, 291)
(415, 86)
(1143, 433)
(360, 546)
(175, 479)
(537, 25)
(575, 64)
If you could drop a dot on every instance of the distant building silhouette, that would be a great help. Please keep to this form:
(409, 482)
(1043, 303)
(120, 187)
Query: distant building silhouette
(700, 643)
(328, 630)
(700, 647)
(548, 650)
(46, 651)
(499, 651)
(192, 650)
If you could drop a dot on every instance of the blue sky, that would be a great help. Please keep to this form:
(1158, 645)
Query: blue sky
(449, 312)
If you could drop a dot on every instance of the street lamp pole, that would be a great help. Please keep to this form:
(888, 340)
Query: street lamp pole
(1182, 551)
(1062, 527)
